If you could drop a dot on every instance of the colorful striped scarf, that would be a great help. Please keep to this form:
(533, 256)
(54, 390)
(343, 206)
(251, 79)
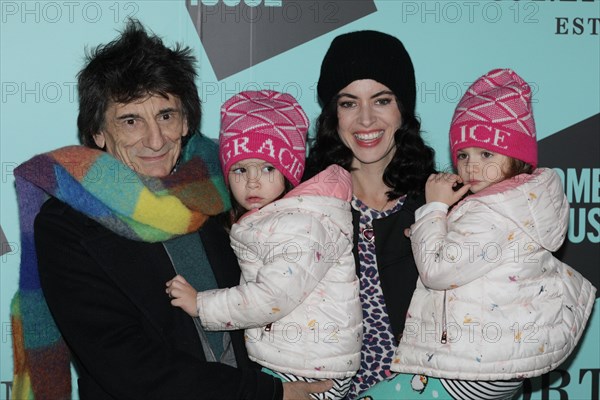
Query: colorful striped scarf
(134, 206)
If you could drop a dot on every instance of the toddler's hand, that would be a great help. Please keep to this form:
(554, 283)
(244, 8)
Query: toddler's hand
(182, 295)
(439, 187)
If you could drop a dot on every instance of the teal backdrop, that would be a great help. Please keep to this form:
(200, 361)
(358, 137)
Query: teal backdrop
(279, 44)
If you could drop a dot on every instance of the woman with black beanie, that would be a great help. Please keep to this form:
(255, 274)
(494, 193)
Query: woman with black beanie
(368, 126)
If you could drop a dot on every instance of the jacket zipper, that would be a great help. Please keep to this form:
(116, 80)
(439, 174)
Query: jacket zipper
(444, 327)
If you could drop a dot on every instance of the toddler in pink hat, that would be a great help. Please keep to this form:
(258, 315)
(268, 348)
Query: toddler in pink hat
(298, 296)
(492, 305)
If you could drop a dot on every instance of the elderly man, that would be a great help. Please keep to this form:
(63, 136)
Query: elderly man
(127, 211)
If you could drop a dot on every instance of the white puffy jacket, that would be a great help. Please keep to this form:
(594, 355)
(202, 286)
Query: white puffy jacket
(299, 295)
(490, 284)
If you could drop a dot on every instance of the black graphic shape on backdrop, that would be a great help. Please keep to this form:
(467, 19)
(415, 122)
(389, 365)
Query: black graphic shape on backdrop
(4, 245)
(578, 147)
(236, 38)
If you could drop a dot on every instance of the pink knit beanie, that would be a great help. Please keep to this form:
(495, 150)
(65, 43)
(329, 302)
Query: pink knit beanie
(267, 125)
(495, 114)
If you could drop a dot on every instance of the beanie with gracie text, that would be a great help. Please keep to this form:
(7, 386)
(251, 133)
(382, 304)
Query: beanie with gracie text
(495, 114)
(266, 125)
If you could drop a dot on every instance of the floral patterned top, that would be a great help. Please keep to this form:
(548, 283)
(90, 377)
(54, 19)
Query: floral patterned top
(378, 340)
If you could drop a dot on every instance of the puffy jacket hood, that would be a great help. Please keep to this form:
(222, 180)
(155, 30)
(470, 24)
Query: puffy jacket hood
(546, 219)
(334, 181)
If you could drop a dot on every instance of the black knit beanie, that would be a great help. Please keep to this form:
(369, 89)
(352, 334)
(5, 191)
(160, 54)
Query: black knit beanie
(368, 55)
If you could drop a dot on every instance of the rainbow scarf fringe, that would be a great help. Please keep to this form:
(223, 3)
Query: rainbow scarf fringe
(134, 206)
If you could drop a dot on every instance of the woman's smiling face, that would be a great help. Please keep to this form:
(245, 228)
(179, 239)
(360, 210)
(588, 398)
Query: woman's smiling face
(368, 118)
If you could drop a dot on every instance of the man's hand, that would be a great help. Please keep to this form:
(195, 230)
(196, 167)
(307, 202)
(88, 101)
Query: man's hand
(439, 187)
(183, 295)
(302, 390)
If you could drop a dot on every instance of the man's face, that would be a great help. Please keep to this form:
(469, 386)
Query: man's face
(145, 134)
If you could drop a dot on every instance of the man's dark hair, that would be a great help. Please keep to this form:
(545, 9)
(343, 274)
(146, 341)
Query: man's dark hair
(131, 67)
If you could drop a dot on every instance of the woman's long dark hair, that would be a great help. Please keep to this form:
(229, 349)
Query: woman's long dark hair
(406, 173)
